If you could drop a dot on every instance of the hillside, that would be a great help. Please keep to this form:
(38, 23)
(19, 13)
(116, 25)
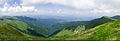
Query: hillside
(70, 27)
(116, 17)
(107, 31)
(32, 26)
(50, 26)
(23, 27)
(104, 28)
(8, 32)
(64, 27)
(11, 29)
(71, 30)
(68, 24)
(98, 21)
(45, 24)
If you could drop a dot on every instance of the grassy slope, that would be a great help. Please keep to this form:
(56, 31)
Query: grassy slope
(8, 32)
(16, 24)
(107, 31)
(22, 26)
(98, 21)
(116, 17)
(70, 30)
(15, 30)
(86, 25)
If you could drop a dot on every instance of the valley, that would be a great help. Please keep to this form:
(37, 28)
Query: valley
(52, 29)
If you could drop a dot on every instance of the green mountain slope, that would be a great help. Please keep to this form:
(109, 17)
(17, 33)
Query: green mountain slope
(41, 24)
(62, 25)
(107, 31)
(98, 21)
(8, 32)
(46, 24)
(116, 17)
(11, 29)
(23, 27)
(104, 28)
(70, 28)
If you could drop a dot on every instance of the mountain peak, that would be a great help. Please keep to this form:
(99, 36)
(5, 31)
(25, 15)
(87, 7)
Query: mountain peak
(116, 17)
(106, 17)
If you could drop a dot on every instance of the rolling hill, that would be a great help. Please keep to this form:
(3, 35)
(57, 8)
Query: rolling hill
(107, 31)
(116, 17)
(8, 32)
(46, 24)
(71, 27)
(98, 21)
(22, 26)
(26, 28)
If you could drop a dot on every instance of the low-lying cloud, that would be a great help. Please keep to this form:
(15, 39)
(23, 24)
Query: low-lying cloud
(93, 8)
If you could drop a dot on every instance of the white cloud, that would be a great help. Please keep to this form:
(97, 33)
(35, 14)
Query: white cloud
(17, 9)
(98, 6)
(107, 6)
(108, 3)
(79, 4)
(2, 1)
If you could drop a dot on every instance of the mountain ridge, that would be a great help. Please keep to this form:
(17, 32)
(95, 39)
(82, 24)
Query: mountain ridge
(60, 30)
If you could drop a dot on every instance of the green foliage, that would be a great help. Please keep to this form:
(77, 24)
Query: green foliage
(107, 31)
(23, 27)
(98, 21)
(8, 30)
(71, 30)
(104, 28)
(80, 28)
(116, 17)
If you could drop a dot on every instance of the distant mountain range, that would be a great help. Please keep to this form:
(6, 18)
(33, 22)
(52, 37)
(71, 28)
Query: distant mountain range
(52, 29)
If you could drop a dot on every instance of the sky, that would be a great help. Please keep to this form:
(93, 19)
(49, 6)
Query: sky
(83, 9)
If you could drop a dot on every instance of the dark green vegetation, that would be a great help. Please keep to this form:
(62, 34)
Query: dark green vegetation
(98, 21)
(27, 28)
(84, 25)
(116, 17)
(8, 31)
(22, 26)
(107, 31)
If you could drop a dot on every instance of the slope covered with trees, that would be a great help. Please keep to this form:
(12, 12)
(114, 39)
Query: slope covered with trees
(26, 28)
(98, 21)
(83, 25)
(22, 26)
(8, 32)
(107, 31)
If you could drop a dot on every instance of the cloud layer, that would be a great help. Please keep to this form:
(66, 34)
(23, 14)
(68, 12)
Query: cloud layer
(16, 9)
(98, 6)
(92, 7)
(79, 4)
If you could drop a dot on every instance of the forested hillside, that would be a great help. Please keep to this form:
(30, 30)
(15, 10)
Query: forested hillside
(17, 27)
(107, 31)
